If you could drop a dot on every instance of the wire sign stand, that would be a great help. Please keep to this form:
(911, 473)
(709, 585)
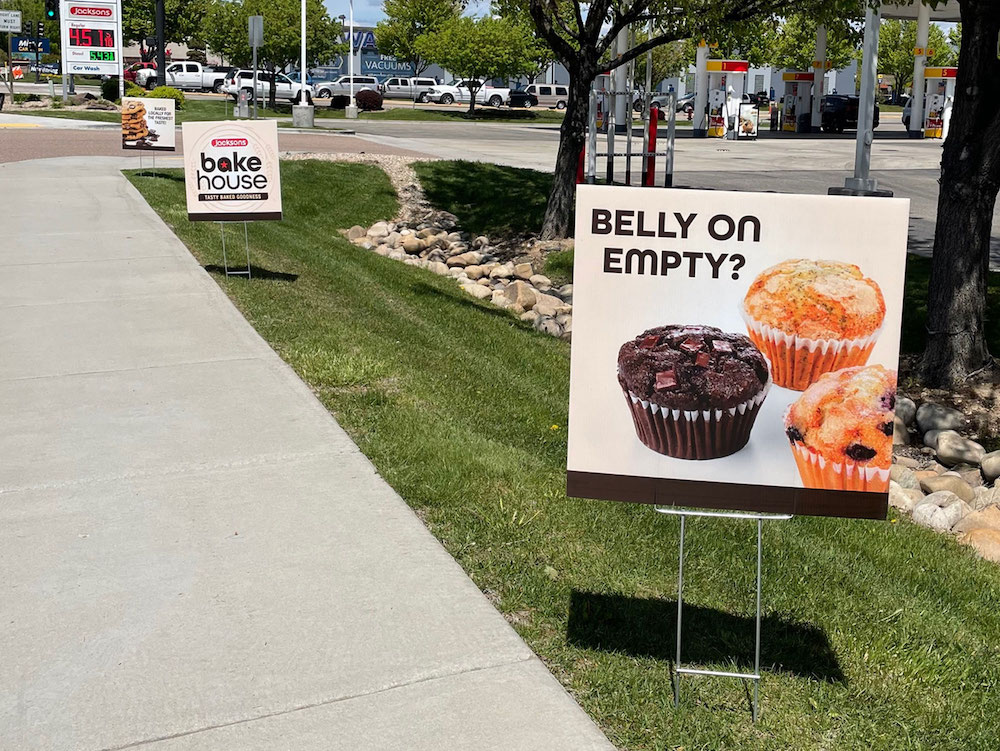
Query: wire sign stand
(679, 669)
(225, 260)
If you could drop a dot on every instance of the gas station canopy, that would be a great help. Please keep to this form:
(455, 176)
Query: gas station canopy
(947, 12)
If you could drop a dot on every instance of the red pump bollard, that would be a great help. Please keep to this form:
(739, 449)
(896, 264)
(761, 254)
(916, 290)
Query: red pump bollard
(580, 178)
(654, 119)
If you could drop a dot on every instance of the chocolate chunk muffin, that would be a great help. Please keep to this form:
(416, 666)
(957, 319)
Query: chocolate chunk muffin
(694, 391)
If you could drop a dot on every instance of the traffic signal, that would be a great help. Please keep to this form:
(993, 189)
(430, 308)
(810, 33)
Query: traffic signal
(28, 28)
(51, 10)
(41, 29)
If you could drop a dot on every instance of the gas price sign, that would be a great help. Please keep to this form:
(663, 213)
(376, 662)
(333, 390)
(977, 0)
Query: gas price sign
(91, 36)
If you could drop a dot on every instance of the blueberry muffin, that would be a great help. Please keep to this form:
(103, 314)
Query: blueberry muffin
(840, 429)
(693, 391)
(813, 317)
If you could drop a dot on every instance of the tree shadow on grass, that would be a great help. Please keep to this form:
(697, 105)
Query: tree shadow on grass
(158, 174)
(643, 627)
(488, 199)
(256, 272)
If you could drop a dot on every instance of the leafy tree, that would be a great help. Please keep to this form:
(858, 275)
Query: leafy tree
(183, 22)
(408, 20)
(225, 31)
(794, 44)
(581, 32)
(970, 179)
(668, 60)
(478, 49)
(896, 42)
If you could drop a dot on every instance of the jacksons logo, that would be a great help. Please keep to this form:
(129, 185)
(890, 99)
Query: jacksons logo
(230, 173)
(89, 12)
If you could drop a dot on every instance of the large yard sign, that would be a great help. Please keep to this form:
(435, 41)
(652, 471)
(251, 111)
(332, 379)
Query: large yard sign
(91, 37)
(735, 350)
(148, 124)
(231, 171)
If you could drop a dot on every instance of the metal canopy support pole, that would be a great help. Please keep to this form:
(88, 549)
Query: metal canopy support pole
(916, 126)
(610, 118)
(668, 173)
(592, 139)
(646, 113)
(819, 76)
(678, 669)
(700, 128)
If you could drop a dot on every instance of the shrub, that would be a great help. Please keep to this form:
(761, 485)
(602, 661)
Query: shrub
(132, 90)
(339, 101)
(368, 100)
(109, 89)
(22, 98)
(168, 92)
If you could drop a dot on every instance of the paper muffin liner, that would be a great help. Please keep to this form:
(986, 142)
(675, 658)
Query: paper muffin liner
(798, 361)
(694, 434)
(817, 471)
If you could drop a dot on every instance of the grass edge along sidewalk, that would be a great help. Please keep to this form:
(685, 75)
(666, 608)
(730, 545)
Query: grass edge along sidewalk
(876, 635)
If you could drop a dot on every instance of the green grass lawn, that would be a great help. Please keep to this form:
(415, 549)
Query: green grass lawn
(878, 635)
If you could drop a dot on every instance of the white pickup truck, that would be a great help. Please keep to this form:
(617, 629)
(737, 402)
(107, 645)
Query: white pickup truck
(185, 75)
(407, 88)
(459, 91)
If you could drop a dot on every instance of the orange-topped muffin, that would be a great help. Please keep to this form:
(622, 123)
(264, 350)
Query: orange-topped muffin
(840, 429)
(812, 317)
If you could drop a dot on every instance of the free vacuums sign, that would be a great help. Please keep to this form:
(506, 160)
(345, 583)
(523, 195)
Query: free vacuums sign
(735, 350)
(231, 171)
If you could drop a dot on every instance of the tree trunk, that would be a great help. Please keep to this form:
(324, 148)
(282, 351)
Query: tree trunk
(970, 178)
(272, 92)
(572, 134)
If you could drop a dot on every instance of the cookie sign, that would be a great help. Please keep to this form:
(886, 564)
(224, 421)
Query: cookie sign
(148, 124)
(735, 350)
(231, 171)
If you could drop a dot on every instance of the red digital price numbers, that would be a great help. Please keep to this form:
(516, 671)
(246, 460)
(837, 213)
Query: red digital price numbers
(85, 37)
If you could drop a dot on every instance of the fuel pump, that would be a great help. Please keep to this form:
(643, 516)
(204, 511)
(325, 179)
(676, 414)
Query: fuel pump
(939, 95)
(726, 85)
(797, 114)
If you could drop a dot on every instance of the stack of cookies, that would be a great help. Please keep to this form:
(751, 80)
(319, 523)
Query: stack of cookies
(134, 121)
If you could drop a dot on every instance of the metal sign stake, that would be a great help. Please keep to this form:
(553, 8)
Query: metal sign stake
(678, 669)
(225, 258)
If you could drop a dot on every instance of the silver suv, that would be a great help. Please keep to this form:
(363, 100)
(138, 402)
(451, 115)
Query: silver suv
(342, 85)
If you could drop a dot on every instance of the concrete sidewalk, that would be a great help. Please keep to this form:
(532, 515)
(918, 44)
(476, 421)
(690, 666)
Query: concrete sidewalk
(194, 554)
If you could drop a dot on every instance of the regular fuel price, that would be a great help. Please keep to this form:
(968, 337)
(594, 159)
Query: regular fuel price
(88, 37)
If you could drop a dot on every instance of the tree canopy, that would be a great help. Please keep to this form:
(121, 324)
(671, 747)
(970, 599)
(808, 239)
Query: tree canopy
(896, 42)
(406, 21)
(479, 49)
(183, 19)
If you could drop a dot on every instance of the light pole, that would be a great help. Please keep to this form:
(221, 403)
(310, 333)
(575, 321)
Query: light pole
(352, 108)
(303, 113)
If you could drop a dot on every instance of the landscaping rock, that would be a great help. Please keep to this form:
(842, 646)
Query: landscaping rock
(548, 325)
(412, 244)
(438, 268)
(540, 282)
(529, 315)
(378, 230)
(469, 258)
(383, 250)
(481, 242)
(906, 461)
(355, 232)
(904, 499)
(478, 291)
(931, 416)
(988, 518)
(502, 272)
(900, 435)
(393, 239)
(499, 298)
(475, 272)
(524, 271)
(550, 305)
(904, 477)
(952, 449)
(940, 511)
(986, 542)
(950, 483)
(397, 255)
(930, 438)
(990, 466)
(985, 497)
(566, 291)
(906, 410)
(521, 295)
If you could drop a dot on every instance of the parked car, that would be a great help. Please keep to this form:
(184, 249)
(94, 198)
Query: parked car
(185, 75)
(839, 112)
(411, 89)
(285, 88)
(460, 91)
(132, 71)
(549, 95)
(342, 85)
(521, 98)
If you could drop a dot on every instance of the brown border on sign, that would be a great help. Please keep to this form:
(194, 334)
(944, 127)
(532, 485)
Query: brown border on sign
(250, 217)
(727, 495)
